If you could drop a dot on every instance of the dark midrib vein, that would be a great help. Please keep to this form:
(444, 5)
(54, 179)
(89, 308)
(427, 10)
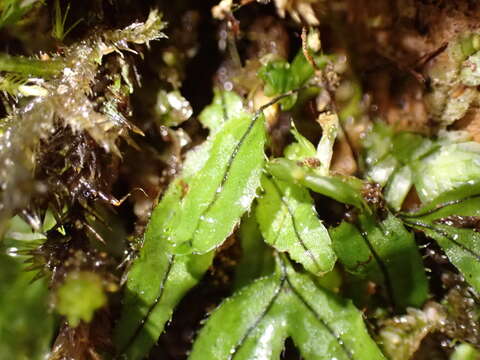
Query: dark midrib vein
(319, 318)
(235, 151)
(295, 229)
(381, 265)
(445, 235)
(252, 327)
(437, 208)
(171, 260)
(231, 159)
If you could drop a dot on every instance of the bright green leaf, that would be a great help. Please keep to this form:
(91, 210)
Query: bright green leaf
(300, 149)
(465, 352)
(254, 323)
(289, 222)
(158, 279)
(228, 180)
(12, 11)
(386, 254)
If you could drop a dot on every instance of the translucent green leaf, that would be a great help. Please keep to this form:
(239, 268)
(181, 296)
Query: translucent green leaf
(225, 105)
(385, 253)
(388, 159)
(254, 323)
(289, 222)
(449, 167)
(398, 187)
(300, 149)
(470, 72)
(228, 180)
(452, 220)
(400, 160)
(330, 129)
(158, 279)
(280, 76)
(344, 189)
(401, 336)
(172, 108)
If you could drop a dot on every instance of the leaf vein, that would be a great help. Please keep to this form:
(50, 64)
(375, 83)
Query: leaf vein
(295, 229)
(144, 320)
(319, 318)
(381, 265)
(445, 235)
(242, 341)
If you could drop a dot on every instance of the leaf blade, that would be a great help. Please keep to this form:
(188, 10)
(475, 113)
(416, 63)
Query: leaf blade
(450, 219)
(158, 279)
(322, 325)
(228, 180)
(289, 223)
(386, 253)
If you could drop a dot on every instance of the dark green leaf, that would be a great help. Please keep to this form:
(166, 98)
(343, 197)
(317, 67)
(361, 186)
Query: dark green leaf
(257, 257)
(255, 322)
(386, 254)
(289, 223)
(452, 220)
